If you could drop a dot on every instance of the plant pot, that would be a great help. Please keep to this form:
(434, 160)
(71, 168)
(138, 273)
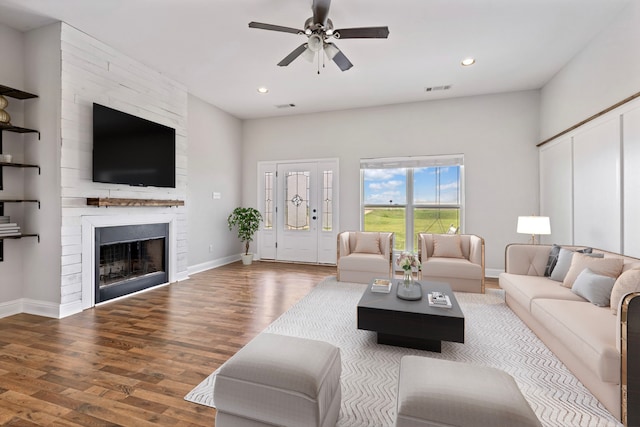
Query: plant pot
(247, 259)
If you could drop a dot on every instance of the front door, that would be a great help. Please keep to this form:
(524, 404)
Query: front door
(297, 212)
(298, 202)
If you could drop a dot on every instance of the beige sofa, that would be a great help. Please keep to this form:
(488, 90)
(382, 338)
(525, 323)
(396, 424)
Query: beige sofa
(457, 259)
(364, 255)
(583, 336)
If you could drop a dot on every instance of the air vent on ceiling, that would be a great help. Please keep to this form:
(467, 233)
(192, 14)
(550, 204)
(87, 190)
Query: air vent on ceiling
(436, 88)
(285, 106)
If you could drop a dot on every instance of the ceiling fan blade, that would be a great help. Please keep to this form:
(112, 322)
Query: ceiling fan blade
(320, 10)
(341, 60)
(363, 33)
(271, 27)
(293, 55)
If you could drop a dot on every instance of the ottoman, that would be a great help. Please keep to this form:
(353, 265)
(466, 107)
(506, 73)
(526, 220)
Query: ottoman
(277, 380)
(433, 392)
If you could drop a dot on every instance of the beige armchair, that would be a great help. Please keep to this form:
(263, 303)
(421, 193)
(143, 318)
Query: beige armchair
(457, 259)
(363, 255)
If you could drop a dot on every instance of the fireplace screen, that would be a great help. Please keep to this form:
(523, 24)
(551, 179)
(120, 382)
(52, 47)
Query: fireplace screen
(123, 261)
(130, 258)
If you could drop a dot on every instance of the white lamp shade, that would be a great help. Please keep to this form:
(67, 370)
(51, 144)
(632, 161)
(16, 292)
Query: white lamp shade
(534, 225)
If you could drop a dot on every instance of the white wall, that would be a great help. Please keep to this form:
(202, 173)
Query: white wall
(496, 133)
(604, 73)
(215, 166)
(42, 290)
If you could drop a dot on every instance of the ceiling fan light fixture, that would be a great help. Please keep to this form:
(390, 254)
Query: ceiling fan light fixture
(315, 42)
(330, 50)
(308, 54)
(466, 62)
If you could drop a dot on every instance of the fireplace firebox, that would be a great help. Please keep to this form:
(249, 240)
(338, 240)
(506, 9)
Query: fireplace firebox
(129, 259)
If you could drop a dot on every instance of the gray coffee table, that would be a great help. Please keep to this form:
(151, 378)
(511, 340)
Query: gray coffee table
(412, 324)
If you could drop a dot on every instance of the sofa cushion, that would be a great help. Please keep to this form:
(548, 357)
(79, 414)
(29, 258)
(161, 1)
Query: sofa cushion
(451, 267)
(593, 287)
(629, 281)
(586, 330)
(447, 245)
(364, 262)
(611, 267)
(367, 243)
(523, 289)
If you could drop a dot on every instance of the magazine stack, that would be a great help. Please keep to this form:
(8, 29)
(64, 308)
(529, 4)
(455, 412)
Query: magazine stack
(8, 228)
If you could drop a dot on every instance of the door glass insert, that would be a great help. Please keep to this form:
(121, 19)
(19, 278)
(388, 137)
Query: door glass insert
(327, 201)
(268, 200)
(297, 201)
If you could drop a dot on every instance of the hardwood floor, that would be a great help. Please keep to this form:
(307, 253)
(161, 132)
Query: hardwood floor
(131, 362)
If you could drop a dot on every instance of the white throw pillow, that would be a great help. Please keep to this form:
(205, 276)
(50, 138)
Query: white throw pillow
(611, 267)
(447, 246)
(367, 243)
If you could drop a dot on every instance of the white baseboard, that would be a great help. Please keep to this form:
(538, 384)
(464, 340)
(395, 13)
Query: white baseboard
(38, 308)
(492, 272)
(10, 308)
(198, 268)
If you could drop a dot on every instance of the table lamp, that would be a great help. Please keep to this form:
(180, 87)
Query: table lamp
(534, 225)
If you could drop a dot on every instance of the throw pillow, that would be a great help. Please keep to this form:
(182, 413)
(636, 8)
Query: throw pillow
(564, 262)
(367, 243)
(447, 246)
(611, 267)
(595, 288)
(629, 281)
(562, 265)
(553, 259)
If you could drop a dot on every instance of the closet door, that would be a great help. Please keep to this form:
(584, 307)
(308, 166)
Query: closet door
(596, 184)
(631, 201)
(556, 198)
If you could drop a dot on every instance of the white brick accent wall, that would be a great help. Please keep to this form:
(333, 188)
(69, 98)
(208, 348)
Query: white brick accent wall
(94, 72)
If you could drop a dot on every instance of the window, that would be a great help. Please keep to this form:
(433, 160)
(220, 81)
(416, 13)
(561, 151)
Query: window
(412, 195)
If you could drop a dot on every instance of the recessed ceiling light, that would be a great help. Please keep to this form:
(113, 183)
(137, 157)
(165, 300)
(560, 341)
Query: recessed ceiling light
(468, 61)
(263, 90)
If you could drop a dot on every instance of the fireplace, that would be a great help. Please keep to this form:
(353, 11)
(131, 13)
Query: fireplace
(130, 258)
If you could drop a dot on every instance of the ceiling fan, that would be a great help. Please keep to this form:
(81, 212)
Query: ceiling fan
(319, 29)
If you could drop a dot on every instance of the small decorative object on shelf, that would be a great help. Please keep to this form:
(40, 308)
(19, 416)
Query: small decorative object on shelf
(4, 116)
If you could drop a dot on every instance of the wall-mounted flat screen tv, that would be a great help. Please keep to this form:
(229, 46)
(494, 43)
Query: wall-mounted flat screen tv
(131, 150)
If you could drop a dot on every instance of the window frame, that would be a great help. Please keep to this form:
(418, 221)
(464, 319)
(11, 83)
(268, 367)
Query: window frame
(409, 164)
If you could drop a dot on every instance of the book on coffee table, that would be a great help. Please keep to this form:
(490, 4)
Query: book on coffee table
(381, 285)
(439, 300)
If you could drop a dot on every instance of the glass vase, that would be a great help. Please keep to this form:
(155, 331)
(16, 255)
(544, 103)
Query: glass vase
(407, 278)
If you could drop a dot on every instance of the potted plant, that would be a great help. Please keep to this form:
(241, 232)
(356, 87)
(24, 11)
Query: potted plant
(247, 220)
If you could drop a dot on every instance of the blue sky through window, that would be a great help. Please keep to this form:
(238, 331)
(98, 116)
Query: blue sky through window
(388, 186)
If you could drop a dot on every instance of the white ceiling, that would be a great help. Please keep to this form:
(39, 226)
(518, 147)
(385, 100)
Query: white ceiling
(207, 46)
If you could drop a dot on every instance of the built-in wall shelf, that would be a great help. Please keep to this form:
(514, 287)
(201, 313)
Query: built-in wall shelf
(19, 165)
(20, 236)
(15, 93)
(106, 202)
(20, 201)
(8, 127)
(17, 129)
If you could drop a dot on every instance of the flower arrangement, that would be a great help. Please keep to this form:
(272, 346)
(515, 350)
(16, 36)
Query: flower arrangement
(408, 261)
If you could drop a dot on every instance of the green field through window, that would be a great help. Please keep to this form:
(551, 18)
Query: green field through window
(426, 220)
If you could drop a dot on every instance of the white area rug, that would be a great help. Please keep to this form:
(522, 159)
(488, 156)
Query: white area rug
(494, 336)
